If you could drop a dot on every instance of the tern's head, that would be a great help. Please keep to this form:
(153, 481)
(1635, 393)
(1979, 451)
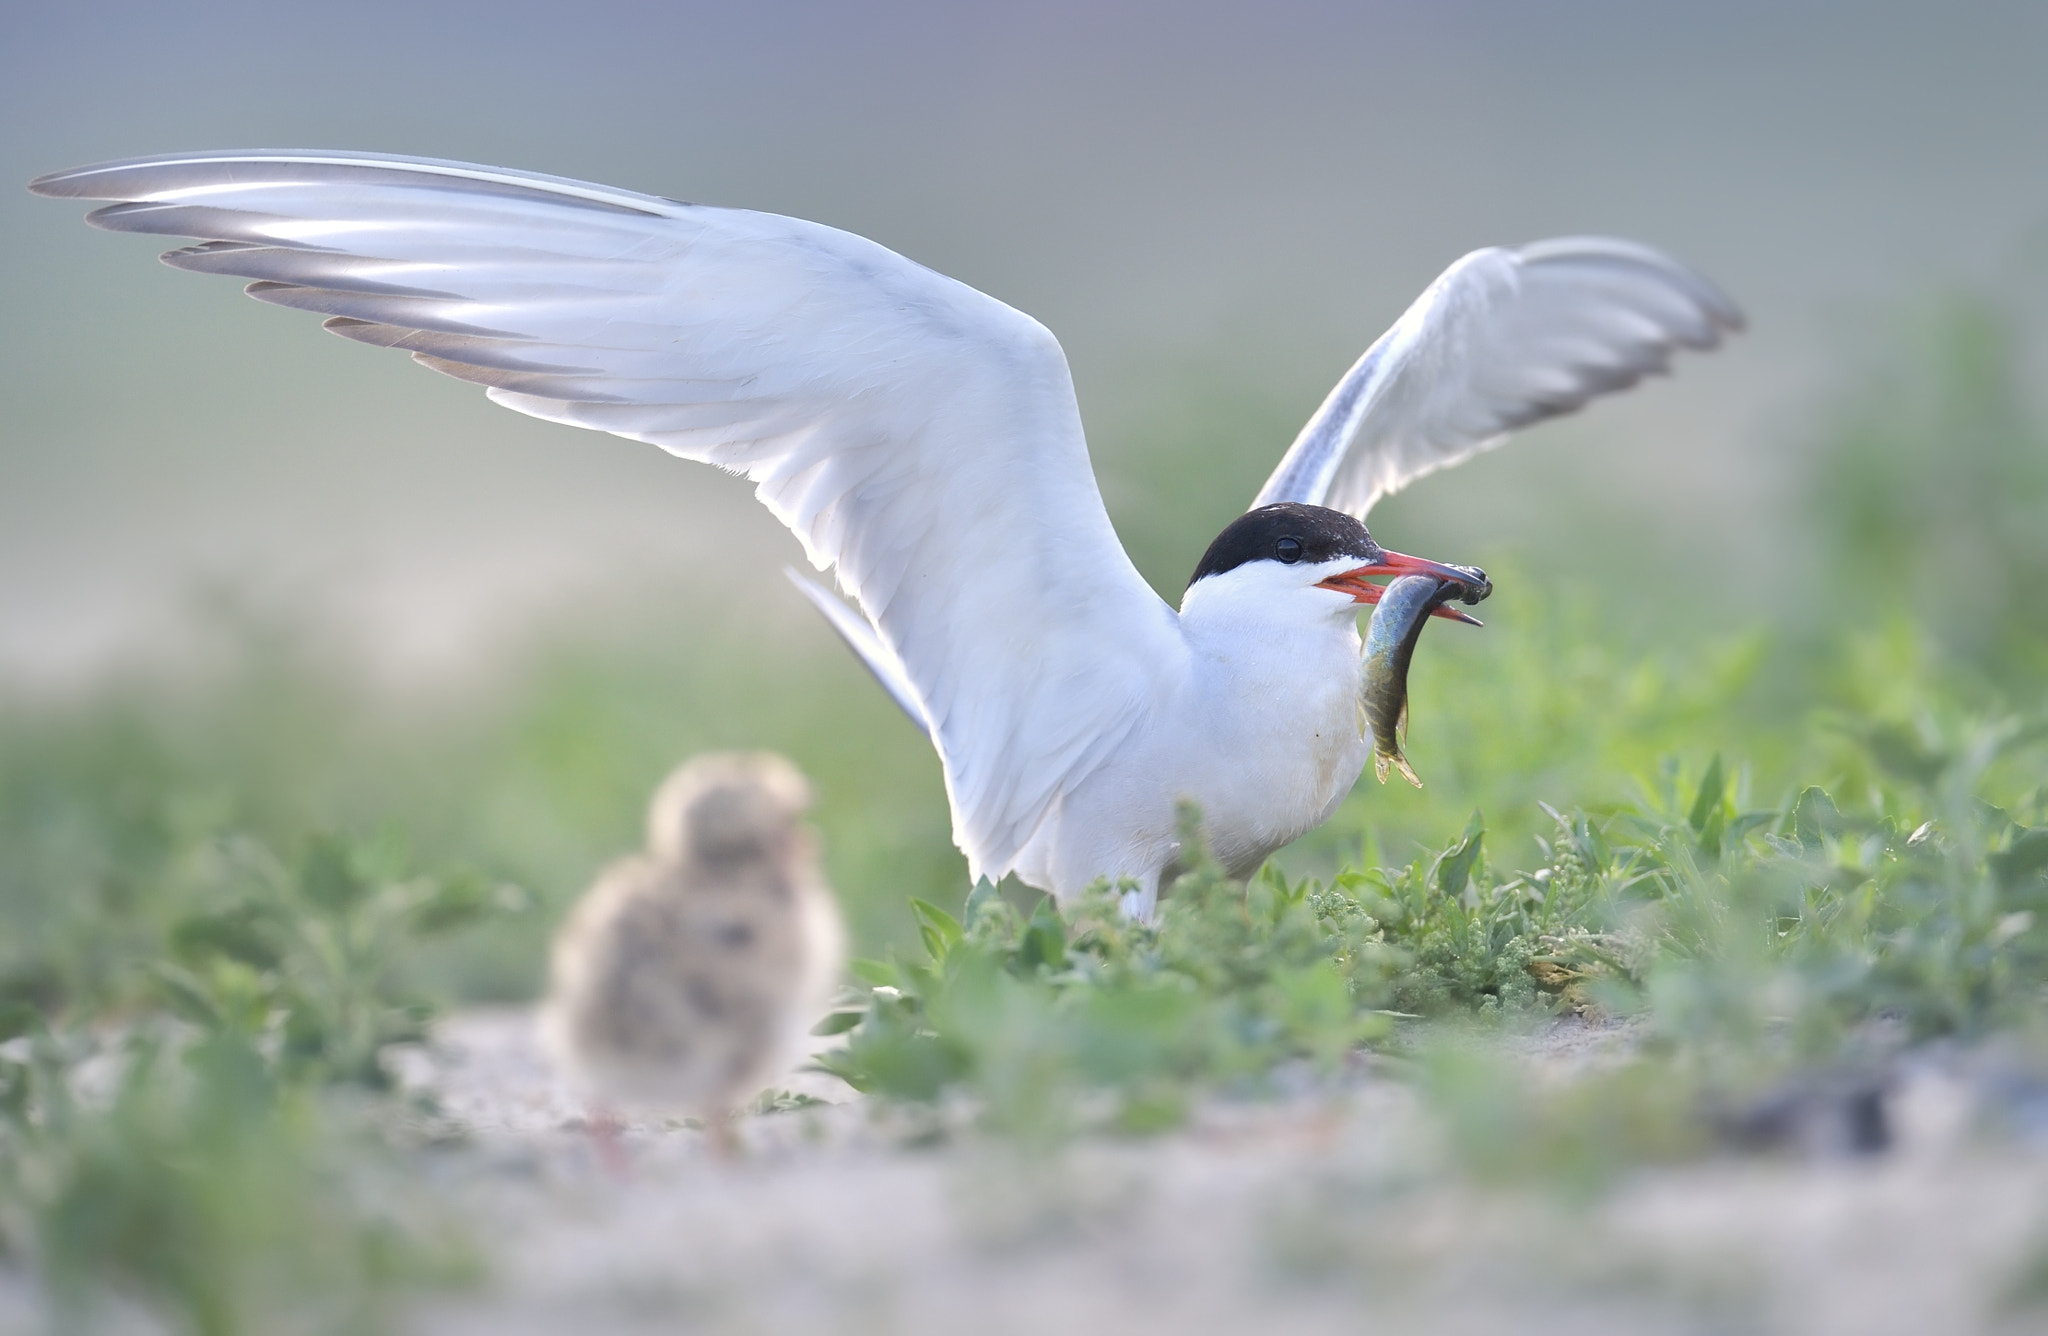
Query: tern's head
(1291, 556)
(729, 807)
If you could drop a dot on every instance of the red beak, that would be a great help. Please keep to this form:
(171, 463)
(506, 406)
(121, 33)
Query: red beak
(1357, 584)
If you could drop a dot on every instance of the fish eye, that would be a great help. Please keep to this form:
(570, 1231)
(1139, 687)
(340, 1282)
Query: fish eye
(1288, 550)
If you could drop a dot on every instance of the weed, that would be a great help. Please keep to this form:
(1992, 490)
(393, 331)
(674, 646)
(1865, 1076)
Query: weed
(1752, 940)
(202, 1188)
(1782, 852)
(301, 959)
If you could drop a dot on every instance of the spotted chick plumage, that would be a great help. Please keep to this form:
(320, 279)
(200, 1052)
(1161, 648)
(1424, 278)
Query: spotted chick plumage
(688, 976)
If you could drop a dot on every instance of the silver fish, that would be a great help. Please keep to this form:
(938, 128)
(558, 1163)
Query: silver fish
(1397, 621)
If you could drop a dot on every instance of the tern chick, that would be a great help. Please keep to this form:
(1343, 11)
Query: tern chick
(687, 977)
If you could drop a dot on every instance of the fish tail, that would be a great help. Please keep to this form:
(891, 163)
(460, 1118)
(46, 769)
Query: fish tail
(1382, 759)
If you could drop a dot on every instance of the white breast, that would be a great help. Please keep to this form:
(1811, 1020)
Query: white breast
(1278, 742)
(1254, 720)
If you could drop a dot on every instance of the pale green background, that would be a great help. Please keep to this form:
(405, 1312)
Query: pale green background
(1215, 206)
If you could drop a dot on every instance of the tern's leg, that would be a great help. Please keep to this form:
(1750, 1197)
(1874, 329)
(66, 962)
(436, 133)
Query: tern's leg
(607, 1139)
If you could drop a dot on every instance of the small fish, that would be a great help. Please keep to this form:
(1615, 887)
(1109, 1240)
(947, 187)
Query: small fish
(1397, 621)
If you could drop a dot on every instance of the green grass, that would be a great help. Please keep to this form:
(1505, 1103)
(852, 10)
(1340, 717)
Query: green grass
(208, 1186)
(1752, 940)
(1781, 848)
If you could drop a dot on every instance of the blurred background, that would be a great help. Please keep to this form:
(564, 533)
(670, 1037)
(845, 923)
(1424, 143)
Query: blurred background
(257, 579)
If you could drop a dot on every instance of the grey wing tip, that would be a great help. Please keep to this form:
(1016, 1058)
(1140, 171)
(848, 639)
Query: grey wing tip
(71, 183)
(1729, 314)
(1722, 313)
(141, 178)
(81, 183)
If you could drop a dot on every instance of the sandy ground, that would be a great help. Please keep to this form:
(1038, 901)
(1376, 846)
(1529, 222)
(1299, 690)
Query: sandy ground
(1327, 1209)
(1324, 1211)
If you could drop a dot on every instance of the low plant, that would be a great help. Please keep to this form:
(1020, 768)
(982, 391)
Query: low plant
(207, 1151)
(301, 959)
(1748, 939)
(200, 1188)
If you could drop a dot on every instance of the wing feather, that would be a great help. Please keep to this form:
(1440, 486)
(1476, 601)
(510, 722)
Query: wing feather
(860, 637)
(1502, 339)
(915, 434)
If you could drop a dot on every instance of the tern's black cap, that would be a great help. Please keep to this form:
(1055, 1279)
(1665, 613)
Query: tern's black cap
(1287, 532)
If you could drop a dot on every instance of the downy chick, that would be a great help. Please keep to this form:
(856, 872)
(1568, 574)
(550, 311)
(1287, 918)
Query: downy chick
(688, 976)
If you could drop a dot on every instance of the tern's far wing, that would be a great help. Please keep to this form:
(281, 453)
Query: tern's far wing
(920, 436)
(1502, 339)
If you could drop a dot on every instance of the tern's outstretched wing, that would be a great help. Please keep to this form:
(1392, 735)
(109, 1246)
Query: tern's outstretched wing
(860, 637)
(1502, 339)
(915, 433)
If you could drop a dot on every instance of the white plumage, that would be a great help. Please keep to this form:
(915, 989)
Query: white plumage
(922, 440)
(1501, 339)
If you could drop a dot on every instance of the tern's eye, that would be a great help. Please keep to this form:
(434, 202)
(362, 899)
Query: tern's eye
(1288, 550)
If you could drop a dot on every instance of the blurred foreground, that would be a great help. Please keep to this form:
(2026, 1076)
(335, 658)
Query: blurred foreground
(1701, 989)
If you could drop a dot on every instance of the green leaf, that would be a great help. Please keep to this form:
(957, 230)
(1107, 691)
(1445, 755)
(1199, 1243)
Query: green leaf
(1710, 836)
(843, 1066)
(1454, 867)
(1045, 939)
(235, 1081)
(455, 902)
(17, 1086)
(1593, 846)
(1706, 806)
(839, 1022)
(984, 892)
(17, 1019)
(248, 933)
(939, 930)
(907, 1064)
(1902, 752)
(874, 973)
(919, 980)
(1742, 825)
(1814, 818)
(2024, 859)
(328, 877)
(1125, 1035)
(184, 994)
(307, 1035)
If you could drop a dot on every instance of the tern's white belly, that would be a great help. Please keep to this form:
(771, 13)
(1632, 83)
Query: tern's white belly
(1286, 765)
(1262, 734)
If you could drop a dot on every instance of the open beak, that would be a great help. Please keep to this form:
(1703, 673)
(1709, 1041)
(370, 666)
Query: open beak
(1357, 582)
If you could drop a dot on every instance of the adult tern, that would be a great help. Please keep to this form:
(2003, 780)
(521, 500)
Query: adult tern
(922, 440)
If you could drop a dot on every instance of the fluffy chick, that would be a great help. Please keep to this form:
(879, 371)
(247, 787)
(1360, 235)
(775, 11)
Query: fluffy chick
(688, 976)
